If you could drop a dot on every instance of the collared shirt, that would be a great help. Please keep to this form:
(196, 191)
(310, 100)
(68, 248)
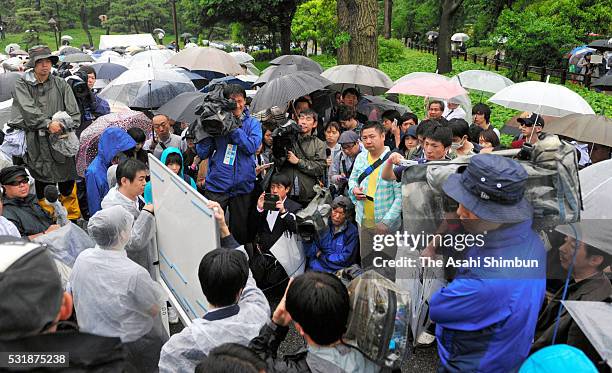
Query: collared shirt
(172, 141)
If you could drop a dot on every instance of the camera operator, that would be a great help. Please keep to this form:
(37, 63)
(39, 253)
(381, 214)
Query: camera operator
(306, 163)
(231, 165)
(90, 105)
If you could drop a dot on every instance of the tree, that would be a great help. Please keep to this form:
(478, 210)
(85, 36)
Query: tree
(32, 22)
(316, 20)
(448, 9)
(274, 14)
(388, 9)
(357, 18)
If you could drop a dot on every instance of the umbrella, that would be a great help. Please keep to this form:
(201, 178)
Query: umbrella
(585, 128)
(113, 57)
(207, 59)
(593, 227)
(431, 34)
(88, 148)
(420, 74)
(78, 57)
(595, 321)
(186, 35)
(182, 108)
(429, 88)
(155, 58)
(577, 53)
(274, 71)
(367, 80)
(228, 80)
(542, 98)
(601, 44)
(7, 85)
(369, 103)
(66, 38)
(11, 47)
(604, 83)
(163, 84)
(460, 37)
(242, 57)
(251, 69)
(303, 63)
(108, 71)
(19, 52)
(482, 80)
(65, 51)
(284, 89)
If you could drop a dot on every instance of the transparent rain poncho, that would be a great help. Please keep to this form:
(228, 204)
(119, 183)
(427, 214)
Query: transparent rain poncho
(114, 296)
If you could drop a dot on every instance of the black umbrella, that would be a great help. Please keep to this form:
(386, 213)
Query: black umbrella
(604, 83)
(275, 71)
(108, 70)
(280, 91)
(301, 62)
(7, 85)
(369, 103)
(182, 108)
(601, 44)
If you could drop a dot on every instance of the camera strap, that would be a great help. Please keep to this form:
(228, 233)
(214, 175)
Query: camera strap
(372, 167)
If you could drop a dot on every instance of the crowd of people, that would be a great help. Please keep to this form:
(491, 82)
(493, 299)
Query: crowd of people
(256, 186)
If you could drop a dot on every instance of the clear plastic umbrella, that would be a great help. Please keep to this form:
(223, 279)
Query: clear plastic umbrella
(151, 58)
(542, 98)
(367, 80)
(460, 37)
(482, 80)
(595, 321)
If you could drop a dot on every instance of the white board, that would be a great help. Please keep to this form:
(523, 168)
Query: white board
(131, 40)
(186, 231)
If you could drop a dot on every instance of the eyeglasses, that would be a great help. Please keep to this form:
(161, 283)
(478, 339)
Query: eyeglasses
(25, 180)
(526, 125)
(348, 145)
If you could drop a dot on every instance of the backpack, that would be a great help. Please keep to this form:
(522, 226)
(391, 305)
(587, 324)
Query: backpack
(378, 323)
(215, 115)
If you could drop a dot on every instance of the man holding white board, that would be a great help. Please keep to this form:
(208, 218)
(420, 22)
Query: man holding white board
(237, 308)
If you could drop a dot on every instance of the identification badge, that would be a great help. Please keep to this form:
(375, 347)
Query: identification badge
(230, 154)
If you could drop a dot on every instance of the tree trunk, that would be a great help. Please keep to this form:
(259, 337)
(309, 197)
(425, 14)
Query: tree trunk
(388, 5)
(448, 10)
(273, 43)
(85, 23)
(285, 36)
(316, 47)
(360, 16)
(343, 27)
(58, 20)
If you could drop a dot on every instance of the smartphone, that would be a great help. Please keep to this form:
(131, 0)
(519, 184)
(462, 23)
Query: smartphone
(266, 164)
(270, 202)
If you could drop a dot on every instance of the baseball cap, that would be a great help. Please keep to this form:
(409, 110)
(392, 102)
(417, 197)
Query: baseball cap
(531, 120)
(11, 173)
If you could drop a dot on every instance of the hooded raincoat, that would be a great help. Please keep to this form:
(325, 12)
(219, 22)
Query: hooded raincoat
(115, 297)
(112, 141)
(183, 352)
(148, 193)
(33, 106)
(142, 247)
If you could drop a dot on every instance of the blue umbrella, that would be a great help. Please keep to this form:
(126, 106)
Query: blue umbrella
(227, 80)
(108, 70)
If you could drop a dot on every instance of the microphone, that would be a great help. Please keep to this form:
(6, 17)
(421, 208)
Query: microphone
(327, 152)
(60, 213)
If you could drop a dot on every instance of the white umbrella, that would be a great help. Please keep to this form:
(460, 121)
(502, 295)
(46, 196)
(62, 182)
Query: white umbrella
(242, 57)
(595, 321)
(206, 59)
(11, 47)
(151, 58)
(482, 80)
(460, 37)
(131, 87)
(251, 69)
(367, 80)
(542, 98)
(66, 38)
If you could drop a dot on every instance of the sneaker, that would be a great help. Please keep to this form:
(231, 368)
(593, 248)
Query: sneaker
(426, 339)
(173, 317)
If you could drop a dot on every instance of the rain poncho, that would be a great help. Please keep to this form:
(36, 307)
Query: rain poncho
(185, 350)
(142, 247)
(115, 297)
(148, 193)
(112, 141)
(33, 105)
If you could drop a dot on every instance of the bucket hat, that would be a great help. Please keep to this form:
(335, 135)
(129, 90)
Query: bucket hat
(493, 188)
(40, 52)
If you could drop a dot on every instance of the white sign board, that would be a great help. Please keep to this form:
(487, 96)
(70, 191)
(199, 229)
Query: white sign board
(186, 231)
(132, 40)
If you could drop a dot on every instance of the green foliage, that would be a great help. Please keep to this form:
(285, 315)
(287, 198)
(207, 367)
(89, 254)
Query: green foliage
(341, 39)
(137, 15)
(538, 41)
(412, 17)
(267, 55)
(389, 50)
(316, 20)
(30, 19)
